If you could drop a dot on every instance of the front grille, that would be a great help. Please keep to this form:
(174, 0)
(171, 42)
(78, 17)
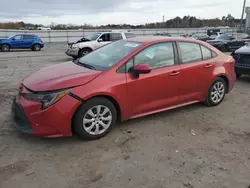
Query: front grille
(21, 121)
(243, 58)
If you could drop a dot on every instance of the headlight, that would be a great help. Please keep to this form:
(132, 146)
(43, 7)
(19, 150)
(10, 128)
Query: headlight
(46, 99)
(74, 46)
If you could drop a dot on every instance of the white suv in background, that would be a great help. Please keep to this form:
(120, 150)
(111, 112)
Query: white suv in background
(96, 40)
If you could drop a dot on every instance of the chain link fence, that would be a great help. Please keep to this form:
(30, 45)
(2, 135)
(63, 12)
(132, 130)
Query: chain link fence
(73, 35)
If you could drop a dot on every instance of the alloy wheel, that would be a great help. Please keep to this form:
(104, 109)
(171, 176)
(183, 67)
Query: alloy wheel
(218, 92)
(97, 120)
(5, 48)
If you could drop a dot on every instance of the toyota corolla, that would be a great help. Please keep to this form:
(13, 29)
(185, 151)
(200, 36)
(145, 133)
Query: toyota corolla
(120, 81)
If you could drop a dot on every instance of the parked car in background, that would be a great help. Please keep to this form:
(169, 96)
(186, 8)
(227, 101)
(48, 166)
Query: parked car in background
(163, 34)
(214, 35)
(242, 60)
(22, 41)
(186, 35)
(96, 40)
(214, 32)
(228, 42)
(44, 28)
(200, 36)
(123, 80)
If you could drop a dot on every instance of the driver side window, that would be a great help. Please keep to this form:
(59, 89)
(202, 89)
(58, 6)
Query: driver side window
(105, 37)
(156, 56)
(19, 37)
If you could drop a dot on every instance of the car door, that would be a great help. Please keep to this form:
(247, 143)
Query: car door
(104, 39)
(17, 41)
(158, 89)
(196, 71)
(115, 36)
(28, 41)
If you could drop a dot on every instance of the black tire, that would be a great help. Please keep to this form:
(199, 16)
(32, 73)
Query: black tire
(238, 75)
(223, 48)
(81, 113)
(209, 101)
(5, 47)
(36, 47)
(84, 52)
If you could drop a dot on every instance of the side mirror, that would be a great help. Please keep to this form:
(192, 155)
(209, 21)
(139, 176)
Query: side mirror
(100, 40)
(142, 69)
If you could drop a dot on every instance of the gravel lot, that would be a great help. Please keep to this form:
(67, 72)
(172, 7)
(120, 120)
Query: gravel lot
(156, 151)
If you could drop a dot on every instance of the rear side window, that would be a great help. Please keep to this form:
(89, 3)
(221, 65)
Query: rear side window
(206, 53)
(129, 35)
(27, 37)
(190, 52)
(116, 36)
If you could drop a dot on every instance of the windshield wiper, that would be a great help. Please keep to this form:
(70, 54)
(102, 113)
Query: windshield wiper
(88, 66)
(84, 64)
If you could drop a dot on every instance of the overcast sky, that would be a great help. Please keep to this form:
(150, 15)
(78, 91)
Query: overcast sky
(98, 12)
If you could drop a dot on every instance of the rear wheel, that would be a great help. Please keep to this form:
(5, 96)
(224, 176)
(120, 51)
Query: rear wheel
(36, 47)
(216, 92)
(84, 52)
(95, 118)
(5, 47)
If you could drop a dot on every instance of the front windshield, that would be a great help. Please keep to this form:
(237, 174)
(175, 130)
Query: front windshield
(94, 36)
(109, 55)
(223, 37)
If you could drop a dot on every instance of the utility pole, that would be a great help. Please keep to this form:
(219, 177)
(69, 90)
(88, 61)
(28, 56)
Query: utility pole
(163, 21)
(242, 15)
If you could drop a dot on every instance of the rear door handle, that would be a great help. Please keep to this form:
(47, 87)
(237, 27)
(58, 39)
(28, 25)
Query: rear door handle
(174, 73)
(208, 65)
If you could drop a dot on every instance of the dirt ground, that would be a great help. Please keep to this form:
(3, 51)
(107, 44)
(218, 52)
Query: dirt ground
(193, 147)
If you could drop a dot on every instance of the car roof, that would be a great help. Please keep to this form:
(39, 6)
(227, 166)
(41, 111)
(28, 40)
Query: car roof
(103, 32)
(27, 34)
(149, 39)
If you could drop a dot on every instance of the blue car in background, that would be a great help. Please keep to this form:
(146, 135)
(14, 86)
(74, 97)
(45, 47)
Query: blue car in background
(22, 41)
(242, 60)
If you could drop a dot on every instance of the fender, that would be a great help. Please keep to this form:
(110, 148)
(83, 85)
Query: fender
(91, 44)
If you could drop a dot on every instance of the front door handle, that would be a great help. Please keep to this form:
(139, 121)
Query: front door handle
(174, 73)
(208, 65)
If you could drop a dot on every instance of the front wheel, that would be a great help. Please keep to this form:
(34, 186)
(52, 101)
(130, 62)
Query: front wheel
(95, 118)
(5, 48)
(216, 92)
(84, 52)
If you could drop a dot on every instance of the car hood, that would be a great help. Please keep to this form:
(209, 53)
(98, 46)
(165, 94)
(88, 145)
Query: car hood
(243, 50)
(79, 41)
(60, 76)
(1, 39)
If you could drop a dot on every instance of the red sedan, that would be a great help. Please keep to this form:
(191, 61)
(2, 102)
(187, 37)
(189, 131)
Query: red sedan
(120, 81)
